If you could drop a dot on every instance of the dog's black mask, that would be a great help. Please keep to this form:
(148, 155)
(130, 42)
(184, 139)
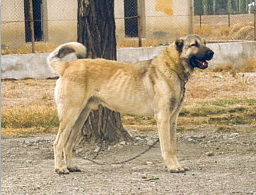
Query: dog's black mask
(194, 51)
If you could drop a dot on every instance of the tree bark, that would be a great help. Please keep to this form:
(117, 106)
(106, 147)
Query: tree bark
(96, 30)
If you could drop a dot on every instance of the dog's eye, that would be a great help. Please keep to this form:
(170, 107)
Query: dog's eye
(194, 45)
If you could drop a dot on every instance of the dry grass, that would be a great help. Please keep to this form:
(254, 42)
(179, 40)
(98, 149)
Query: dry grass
(217, 101)
(238, 31)
(214, 31)
(29, 120)
(229, 113)
(121, 43)
(146, 42)
(247, 66)
(40, 47)
(221, 113)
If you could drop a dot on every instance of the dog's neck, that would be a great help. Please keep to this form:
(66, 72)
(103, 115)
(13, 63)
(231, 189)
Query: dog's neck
(174, 63)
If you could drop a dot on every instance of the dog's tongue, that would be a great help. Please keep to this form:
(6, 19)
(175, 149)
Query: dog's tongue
(203, 63)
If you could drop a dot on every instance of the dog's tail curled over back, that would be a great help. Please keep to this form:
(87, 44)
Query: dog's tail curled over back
(54, 59)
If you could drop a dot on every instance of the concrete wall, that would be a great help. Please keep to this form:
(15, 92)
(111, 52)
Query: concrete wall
(22, 66)
(235, 53)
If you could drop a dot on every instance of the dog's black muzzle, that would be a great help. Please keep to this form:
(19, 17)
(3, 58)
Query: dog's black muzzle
(209, 54)
(200, 60)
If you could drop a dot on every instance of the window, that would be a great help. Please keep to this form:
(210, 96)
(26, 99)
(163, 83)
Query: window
(131, 20)
(37, 13)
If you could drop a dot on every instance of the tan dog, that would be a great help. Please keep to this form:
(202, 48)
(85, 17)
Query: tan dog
(150, 88)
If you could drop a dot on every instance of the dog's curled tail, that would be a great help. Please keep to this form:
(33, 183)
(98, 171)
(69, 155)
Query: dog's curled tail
(55, 58)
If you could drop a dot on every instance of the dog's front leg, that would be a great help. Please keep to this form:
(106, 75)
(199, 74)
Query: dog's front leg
(166, 124)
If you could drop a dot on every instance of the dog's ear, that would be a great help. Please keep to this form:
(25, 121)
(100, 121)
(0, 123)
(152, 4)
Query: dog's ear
(179, 44)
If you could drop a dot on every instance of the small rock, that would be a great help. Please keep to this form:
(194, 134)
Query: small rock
(190, 140)
(136, 174)
(110, 147)
(150, 142)
(210, 153)
(28, 143)
(97, 149)
(122, 143)
(37, 140)
(234, 134)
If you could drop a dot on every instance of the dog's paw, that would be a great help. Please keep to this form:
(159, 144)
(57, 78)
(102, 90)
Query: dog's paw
(179, 169)
(74, 169)
(62, 170)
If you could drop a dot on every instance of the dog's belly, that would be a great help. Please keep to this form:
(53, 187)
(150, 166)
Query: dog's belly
(128, 107)
(136, 102)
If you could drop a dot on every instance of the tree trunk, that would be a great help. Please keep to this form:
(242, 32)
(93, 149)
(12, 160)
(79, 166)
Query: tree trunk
(96, 30)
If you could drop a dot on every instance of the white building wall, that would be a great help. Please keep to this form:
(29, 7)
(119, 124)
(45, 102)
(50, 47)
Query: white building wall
(162, 18)
(13, 25)
(160, 21)
(62, 21)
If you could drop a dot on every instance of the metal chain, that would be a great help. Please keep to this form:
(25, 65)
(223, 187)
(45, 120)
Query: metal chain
(124, 161)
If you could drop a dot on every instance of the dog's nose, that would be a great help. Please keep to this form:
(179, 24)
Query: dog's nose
(210, 54)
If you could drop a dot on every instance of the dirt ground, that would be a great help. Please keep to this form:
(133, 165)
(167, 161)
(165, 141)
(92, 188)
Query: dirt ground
(220, 163)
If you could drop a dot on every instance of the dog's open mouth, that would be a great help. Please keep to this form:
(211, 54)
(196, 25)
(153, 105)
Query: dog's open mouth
(202, 64)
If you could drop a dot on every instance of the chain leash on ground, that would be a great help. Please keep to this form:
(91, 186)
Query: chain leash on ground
(124, 161)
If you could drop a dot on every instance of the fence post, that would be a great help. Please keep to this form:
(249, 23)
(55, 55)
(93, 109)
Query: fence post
(31, 18)
(140, 7)
(200, 20)
(254, 13)
(139, 30)
(191, 16)
(229, 20)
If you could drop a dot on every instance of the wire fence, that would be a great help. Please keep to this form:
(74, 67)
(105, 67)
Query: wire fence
(40, 25)
(226, 27)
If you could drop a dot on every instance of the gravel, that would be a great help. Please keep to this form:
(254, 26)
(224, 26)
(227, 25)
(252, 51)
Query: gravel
(220, 163)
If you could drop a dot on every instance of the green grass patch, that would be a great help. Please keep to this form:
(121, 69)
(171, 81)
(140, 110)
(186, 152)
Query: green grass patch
(243, 107)
(221, 112)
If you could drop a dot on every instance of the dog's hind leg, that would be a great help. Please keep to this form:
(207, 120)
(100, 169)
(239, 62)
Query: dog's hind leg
(71, 140)
(70, 104)
(65, 130)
